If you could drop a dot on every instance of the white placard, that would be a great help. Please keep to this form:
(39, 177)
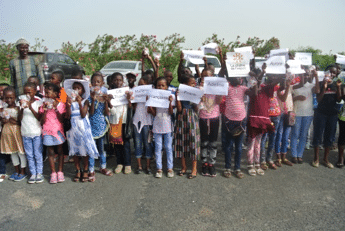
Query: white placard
(238, 64)
(187, 93)
(304, 58)
(276, 65)
(216, 86)
(119, 96)
(258, 64)
(295, 66)
(340, 59)
(280, 52)
(245, 49)
(210, 48)
(158, 98)
(193, 56)
(140, 93)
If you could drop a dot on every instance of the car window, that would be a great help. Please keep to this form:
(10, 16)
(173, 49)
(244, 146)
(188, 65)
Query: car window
(139, 67)
(214, 61)
(120, 65)
(61, 59)
(68, 60)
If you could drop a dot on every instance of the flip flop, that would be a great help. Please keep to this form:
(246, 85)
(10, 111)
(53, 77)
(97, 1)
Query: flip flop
(181, 173)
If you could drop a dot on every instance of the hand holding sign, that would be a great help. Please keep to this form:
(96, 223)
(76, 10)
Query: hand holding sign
(119, 96)
(193, 56)
(238, 64)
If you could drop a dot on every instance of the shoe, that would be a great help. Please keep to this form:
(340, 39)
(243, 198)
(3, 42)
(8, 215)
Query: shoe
(20, 177)
(13, 176)
(328, 164)
(271, 165)
(227, 173)
(60, 177)
(204, 170)
(139, 171)
(32, 179)
(159, 174)
(307, 146)
(263, 166)
(300, 160)
(238, 173)
(53, 178)
(259, 171)
(39, 178)
(252, 172)
(170, 174)
(128, 170)
(2, 177)
(287, 162)
(212, 170)
(315, 164)
(118, 168)
(279, 162)
(294, 160)
(148, 171)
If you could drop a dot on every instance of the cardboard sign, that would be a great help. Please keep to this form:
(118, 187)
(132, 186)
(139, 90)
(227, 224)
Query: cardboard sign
(158, 98)
(245, 49)
(187, 93)
(140, 93)
(210, 48)
(276, 65)
(195, 57)
(280, 52)
(238, 64)
(119, 96)
(304, 58)
(340, 59)
(216, 86)
(295, 67)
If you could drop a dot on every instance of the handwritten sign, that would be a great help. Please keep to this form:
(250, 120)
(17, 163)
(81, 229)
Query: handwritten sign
(140, 93)
(276, 65)
(195, 57)
(216, 86)
(245, 49)
(340, 59)
(238, 64)
(119, 96)
(187, 93)
(295, 67)
(320, 75)
(304, 58)
(158, 98)
(280, 52)
(210, 48)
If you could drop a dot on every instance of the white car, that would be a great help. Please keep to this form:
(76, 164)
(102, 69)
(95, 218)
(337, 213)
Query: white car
(124, 67)
(210, 59)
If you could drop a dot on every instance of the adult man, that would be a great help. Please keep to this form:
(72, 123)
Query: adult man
(24, 66)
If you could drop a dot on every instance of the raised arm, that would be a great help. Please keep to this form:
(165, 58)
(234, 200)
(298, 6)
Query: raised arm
(180, 68)
(223, 70)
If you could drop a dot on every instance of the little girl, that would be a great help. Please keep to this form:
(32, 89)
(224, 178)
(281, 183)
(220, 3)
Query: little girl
(99, 109)
(52, 115)
(187, 133)
(11, 140)
(142, 121)
(31, 132)
(162, 130)
(81, 143)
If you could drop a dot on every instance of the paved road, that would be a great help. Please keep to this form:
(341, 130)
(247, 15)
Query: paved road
(291, 198)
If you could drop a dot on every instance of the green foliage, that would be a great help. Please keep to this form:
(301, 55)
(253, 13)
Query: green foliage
(7, 52)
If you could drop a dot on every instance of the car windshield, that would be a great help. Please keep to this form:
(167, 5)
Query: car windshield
(120, 65)
(213, 61)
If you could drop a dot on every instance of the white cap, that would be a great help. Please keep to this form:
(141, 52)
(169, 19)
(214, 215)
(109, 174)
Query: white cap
(22, 41)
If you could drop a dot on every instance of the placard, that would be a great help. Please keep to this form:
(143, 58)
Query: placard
(193, 56)
(295, 67)
(320, 75)
(258, 64)
(119, 96)
(216, 86)
(140, 93)
(245, 49)
(187, 93)
(210, 48)
(304, 58)
(276, 65)
(340, 59)
(280, 52)
(158, 98)
(238, 64)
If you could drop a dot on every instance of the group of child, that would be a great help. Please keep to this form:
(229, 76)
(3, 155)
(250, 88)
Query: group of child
(82, 113)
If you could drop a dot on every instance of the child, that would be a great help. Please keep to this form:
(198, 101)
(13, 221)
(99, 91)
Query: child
(187, 133)
(131, 79)
(56, 78)
(2, 156)
(99, 110)
(80, 140)
(52, 115)
(118, 120)
(209, 127)
(142, 121)
(162, 130)
(31, 133)
(77, 74)
(35, 80)
(11, 140)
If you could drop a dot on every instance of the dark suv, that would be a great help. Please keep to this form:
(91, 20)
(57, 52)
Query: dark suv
(57, 62)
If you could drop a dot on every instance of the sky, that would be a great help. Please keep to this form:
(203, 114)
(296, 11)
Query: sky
(316, 23)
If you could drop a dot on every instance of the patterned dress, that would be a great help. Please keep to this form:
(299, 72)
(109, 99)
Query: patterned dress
(79, 137)
(187, 132)
(99, 123)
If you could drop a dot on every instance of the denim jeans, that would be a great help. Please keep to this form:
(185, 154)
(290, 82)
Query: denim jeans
(102, 157)
(324, 127)
(299, 135)
(267, 156)
(141, 141)
(227, 142)
(33, 147)
(282, 137)
(167, 137)
(2, 164)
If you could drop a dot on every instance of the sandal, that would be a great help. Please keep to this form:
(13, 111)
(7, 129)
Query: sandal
(182, 172)
(279, 162)
(339, 165)
(315, 164)
(251, 170)
(77, 176)
(263, 166)
(91, 177)
(191, 176)
(106, 172)
(227, 173)
(287, 162)
(328, 164)
(271, 165)
(239, 174)
(294, 160)
(85, 177)
(300, 160)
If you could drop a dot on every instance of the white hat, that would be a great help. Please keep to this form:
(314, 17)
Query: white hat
(22, 41)
(69, 83)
